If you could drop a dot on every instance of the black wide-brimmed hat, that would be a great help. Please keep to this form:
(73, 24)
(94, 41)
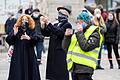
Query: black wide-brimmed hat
(36, 10)
(67, 8)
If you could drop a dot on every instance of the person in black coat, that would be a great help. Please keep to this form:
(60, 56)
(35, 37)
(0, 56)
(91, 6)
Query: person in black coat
(39, 45)
(9, 23)
(23, 37)
(56, 61)
(112, 38)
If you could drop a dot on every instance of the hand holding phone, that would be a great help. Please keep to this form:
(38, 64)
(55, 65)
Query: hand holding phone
(81, 25)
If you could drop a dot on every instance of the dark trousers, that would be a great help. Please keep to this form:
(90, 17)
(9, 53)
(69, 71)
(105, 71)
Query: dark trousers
(39, 49)
(82, 76)
(99, 55)
(115, 49)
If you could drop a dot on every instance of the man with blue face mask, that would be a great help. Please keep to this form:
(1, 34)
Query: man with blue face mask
(39, 45)
(82, 47)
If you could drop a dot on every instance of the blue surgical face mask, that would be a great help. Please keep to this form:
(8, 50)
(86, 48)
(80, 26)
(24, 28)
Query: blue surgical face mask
(62, 17)
(35, 15)
(18, 15)
(84, 25)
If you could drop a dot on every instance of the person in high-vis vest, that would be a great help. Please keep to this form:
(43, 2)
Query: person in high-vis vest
(82, 47)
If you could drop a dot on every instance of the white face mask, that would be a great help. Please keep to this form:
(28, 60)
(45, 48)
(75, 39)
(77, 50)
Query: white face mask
(98, 15)
(110, 17)
(35, 15)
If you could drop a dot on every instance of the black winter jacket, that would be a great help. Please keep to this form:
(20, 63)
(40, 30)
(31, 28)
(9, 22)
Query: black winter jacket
(9, 24)
(38, 27)
(56, 62)
(112, 34)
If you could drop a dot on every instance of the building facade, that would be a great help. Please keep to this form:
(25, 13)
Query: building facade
(49, 7)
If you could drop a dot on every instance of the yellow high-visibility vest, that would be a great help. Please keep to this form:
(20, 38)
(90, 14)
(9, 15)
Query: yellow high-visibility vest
(77, 55)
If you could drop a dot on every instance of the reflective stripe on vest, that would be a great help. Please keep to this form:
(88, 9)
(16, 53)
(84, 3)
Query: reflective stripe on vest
(82, 55)
(96, 51)
(77, 55)
(80, 59)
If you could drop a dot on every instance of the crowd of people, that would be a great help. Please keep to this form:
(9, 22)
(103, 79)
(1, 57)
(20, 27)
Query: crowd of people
(70, 50)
